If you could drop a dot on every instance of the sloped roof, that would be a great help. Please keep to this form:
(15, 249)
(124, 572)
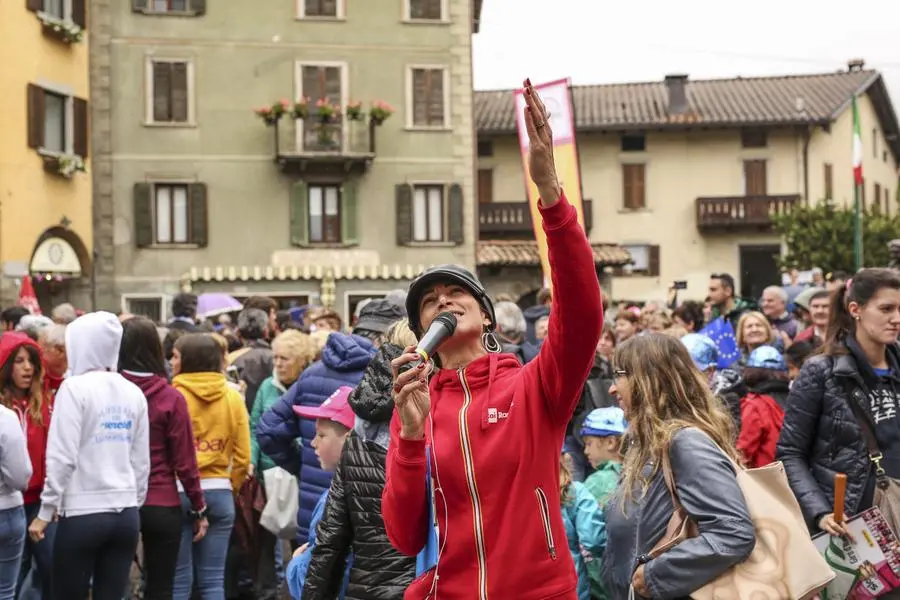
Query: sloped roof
(714, 102)
(524, 253)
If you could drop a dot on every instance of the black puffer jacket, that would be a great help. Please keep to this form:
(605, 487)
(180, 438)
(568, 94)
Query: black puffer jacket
(821, 437)
(352, 519)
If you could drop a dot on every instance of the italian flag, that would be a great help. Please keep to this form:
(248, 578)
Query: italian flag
(857, 147)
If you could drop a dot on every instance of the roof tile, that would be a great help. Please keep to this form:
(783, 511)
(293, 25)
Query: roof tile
(524, 253)
(722, 102)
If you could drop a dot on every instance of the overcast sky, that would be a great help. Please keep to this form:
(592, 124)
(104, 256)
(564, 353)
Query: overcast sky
(601, 41)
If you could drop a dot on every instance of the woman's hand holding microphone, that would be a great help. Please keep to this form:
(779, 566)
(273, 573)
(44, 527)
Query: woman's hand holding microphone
(411, 393)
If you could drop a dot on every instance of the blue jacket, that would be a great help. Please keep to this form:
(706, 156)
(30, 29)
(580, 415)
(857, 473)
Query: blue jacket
(297, 568)
(586, 532)
(286, 438)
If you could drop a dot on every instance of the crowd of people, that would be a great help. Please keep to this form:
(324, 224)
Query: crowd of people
(538, 453)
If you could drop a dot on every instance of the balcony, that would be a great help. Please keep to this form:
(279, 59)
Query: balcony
(728, 213)
(512, 220)
(313, 147)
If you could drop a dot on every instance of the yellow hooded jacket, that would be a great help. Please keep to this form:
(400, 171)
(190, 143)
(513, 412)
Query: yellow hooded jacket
(221, 426)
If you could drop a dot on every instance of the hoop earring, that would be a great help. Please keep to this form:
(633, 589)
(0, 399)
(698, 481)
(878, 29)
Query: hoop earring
(490, 343)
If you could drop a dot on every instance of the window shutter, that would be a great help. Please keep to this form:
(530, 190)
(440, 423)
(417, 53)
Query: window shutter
(420, 96)
(79, 13)
(404, 196)
(455, 232)
(653, 261)
(35, 116)
(199, 214)
(349, 211)
(162, 91)
(299, 215)
(143, 215)
(34, 5)
(139, 5)
(80, 126)
(436, 108)
(198, 6)
(633, 186)
(179, 96)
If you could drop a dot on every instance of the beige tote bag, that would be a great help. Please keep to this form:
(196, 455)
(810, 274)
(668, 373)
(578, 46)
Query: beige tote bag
(784, 565)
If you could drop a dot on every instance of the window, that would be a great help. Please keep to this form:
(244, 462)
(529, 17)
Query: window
(320, 8)
(151, 307)
(170, 89)
(170, 213)
(485, 186)
(755, 178)
(55, 108)
(829, 182)
(174, 7)
(754, 138)
(429, 97)
(57, 123)
(57, 8)
(633, 143)
(172, 216)
(322, 82)
(485, 148)
(426, 10)
(428, 213)
(634, 194)
(645, 260)
(324, 204)
(874, 143)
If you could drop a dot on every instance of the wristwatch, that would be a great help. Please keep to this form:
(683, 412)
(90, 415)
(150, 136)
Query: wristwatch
(199, 515)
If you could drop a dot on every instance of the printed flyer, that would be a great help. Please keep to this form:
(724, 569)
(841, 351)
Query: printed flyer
(866, 568)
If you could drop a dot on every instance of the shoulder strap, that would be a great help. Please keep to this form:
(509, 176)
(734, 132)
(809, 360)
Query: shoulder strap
(866, 426)
(665, 465)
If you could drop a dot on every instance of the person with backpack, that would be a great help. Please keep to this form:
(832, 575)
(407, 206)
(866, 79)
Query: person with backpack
(762, 409)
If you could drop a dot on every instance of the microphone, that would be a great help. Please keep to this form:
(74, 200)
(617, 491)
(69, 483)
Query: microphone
(440, 329)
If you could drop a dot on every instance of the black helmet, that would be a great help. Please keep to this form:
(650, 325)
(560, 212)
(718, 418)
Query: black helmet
(446, 274)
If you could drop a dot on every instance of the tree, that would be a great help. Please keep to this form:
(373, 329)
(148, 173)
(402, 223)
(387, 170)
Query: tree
(822, 236)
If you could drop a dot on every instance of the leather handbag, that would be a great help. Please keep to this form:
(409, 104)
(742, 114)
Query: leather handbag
(784, 564)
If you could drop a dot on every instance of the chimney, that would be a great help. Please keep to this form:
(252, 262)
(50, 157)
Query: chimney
(677, 94)
(855, 64)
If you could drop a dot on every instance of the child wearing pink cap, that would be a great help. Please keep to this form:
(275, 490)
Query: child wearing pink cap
(334, 421)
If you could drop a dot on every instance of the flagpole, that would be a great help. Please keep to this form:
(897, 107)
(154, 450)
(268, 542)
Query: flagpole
(857, 229)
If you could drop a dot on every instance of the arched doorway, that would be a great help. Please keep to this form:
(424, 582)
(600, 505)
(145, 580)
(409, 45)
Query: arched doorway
(59, 262)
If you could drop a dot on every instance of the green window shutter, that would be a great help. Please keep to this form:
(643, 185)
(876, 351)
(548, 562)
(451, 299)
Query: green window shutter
(455, 230)
(349, 212)
(143, 215)
(299, 214)
(197, 198)
(404, 197)
(198, 6)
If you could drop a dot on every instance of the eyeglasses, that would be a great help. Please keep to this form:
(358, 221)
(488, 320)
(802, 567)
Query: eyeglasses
(620, 373)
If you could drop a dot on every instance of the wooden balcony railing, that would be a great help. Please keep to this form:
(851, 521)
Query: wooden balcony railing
(736, 212)
(514, 218)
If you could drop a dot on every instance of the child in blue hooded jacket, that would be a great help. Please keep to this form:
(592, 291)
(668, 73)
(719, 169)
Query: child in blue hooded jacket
(585, 526)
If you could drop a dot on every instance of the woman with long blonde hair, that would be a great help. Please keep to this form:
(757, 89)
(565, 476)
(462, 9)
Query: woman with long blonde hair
(23, 391)
(675, 423)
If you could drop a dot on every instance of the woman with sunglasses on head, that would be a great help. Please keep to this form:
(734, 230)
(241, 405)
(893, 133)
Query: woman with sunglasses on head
(844, 402)
(491, 428)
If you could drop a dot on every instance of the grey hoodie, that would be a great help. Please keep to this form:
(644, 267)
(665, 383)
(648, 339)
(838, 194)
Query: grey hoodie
(98, 451)
(15, 466)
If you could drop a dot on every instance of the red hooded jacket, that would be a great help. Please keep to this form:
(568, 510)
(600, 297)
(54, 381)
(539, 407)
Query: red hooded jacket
(36, 433)
(761, 420)
(496, 432)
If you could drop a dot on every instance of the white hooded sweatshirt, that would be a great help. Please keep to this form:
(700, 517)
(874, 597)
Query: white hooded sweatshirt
(98, 451)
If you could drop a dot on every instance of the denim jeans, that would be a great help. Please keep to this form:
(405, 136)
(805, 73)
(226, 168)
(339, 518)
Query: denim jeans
(37, 560)
(12, 540)
(94, 552)
(205, 560)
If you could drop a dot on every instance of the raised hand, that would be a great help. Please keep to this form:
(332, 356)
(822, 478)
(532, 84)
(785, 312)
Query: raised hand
(541, 165)
(411, 394)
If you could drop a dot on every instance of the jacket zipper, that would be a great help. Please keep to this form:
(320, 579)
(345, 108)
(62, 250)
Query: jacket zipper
(544, 508)
(466, 445)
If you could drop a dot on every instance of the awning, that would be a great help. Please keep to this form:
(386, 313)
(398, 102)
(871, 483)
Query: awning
(55, 256)
(524, 253)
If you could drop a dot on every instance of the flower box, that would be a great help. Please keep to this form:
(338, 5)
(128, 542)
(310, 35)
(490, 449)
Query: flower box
(64, 31)
(64, 165)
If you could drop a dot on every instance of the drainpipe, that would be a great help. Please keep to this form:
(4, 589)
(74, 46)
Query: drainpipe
(94, 255)
(807, 137)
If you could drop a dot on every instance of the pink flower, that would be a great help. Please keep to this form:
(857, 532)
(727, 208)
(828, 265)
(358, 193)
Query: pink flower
(285, 103)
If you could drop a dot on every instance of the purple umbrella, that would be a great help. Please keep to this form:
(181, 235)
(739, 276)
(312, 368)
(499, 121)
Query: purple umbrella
(213, 305)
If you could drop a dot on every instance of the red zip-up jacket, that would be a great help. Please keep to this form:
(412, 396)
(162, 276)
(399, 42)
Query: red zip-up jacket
(761, 420)
(496, 431)
(35, 433)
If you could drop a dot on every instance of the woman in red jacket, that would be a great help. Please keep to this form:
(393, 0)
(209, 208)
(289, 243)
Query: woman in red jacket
(494, 429)
(24, 391)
